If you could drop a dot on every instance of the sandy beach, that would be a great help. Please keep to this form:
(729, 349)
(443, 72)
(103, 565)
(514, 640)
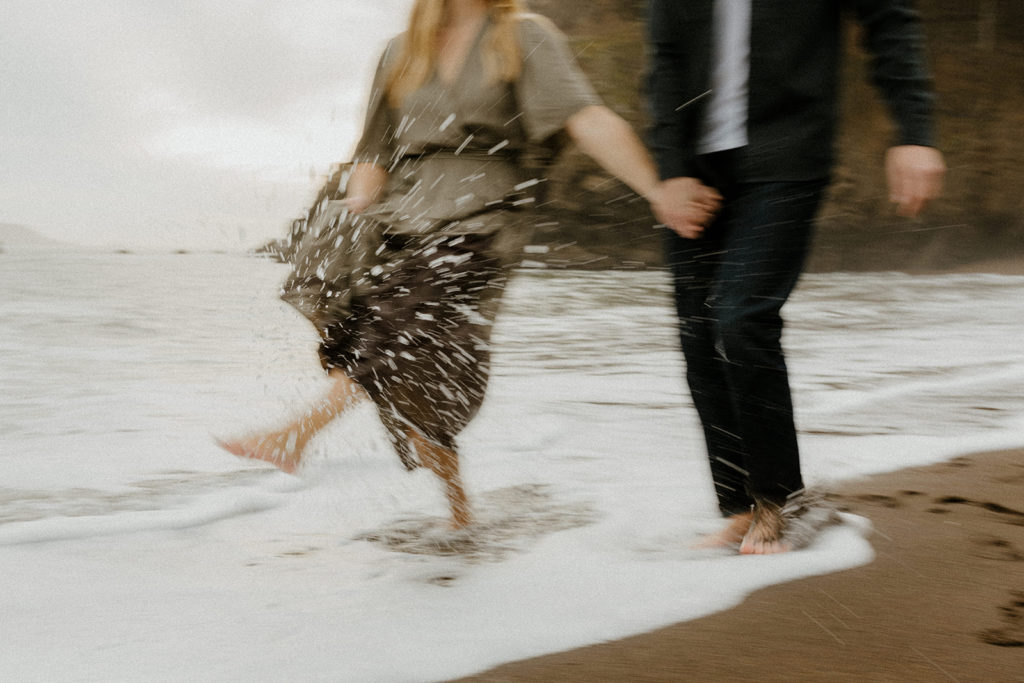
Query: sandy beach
(942, 601)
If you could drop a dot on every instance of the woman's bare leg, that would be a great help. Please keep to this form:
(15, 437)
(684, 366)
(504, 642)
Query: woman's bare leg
(283, 447)
(444, 462)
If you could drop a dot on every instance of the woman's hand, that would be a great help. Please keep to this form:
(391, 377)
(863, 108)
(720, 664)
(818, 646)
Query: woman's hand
(364, 186)
(357, 204)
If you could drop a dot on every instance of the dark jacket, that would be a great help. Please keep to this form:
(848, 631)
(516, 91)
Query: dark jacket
(795, 47)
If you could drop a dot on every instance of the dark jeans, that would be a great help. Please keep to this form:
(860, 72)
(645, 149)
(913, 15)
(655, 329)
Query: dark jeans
(730, 286)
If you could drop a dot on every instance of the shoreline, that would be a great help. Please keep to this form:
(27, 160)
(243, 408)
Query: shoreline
(569, 259)
(943, 599)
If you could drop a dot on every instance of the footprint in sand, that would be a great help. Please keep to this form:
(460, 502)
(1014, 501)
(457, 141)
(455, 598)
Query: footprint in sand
(1010, 515)
(442, 580)
(992, 548)
(1011, 634)
(879, 499)
(300, 552)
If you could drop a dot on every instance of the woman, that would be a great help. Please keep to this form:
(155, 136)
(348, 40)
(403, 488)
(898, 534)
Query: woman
(437, 187)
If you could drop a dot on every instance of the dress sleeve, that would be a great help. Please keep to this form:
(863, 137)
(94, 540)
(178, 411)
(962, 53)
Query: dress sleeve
(376, 144)
(551, 87)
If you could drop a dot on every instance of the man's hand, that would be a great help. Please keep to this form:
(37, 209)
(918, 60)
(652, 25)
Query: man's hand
(915, 177)
(686, 205)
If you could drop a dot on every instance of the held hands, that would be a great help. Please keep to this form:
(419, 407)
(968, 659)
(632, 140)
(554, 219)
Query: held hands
(914, 174)
(686, 205)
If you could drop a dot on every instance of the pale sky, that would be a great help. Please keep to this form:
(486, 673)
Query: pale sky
(192, 123)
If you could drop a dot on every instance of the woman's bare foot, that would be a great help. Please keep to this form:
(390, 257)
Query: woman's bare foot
(444, 462)
(280, 449)
(283, 448)
(766, 535)
(461, 516)
(731, 535)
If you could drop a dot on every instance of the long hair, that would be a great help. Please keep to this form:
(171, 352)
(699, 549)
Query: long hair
(417, 58)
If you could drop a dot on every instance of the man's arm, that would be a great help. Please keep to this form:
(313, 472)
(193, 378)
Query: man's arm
(666, 89)
(681, 201)
(893, 36)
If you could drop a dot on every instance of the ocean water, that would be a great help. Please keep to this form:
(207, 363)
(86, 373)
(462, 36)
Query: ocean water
(132, 548)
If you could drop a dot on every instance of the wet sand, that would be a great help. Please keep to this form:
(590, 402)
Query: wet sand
(942, 601)
(997, 266)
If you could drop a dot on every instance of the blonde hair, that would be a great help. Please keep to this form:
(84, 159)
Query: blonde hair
(417, 57)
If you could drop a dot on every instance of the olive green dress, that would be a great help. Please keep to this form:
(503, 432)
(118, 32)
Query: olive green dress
(404, 295)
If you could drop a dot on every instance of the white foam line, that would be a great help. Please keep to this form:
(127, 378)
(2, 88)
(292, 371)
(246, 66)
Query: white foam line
(921, 387)
(75, 528)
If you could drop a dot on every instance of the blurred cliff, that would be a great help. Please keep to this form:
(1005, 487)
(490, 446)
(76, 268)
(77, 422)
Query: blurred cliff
(976, 48)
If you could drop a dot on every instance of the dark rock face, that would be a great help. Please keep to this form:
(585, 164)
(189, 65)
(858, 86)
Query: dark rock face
(977, 55)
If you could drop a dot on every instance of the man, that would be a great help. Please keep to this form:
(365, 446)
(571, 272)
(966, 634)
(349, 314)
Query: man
(743, 97)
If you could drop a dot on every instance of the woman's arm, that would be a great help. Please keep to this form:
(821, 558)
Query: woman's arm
(364, 186)
(605, 137)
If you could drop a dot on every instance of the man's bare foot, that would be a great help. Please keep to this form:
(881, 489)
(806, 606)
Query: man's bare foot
(766, 535)
(731, 535)
(280, 449)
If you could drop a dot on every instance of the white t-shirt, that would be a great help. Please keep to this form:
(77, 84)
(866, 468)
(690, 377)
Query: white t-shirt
(725, 123)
